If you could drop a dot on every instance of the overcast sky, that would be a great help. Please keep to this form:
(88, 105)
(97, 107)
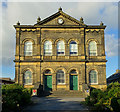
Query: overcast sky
(27, 12)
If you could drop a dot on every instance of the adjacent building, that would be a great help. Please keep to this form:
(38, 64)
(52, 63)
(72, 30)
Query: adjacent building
(5, 81)
(114, 77)
(60, 53)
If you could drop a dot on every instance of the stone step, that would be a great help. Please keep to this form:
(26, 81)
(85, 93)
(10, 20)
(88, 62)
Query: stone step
(72, 91)
(80, 96)
(66, 94)
(63, 93)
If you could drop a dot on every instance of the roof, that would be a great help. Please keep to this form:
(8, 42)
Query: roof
(41, 23)
(3, 78)
(60, 12)
(6, 81)
(114, 76)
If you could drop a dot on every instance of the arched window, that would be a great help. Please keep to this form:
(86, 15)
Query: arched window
(93, 77)
(28, 48)
(47, 71)
(92, 48)
(60, 48)
(73, 48)
(48, 48)
(60, 77)
(28, 77)
(73, 72)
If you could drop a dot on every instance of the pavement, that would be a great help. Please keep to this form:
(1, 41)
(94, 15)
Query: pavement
(50, 104)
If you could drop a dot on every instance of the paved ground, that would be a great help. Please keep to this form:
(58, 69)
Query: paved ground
(54, 104)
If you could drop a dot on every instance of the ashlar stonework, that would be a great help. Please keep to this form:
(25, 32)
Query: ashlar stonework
(61, 27)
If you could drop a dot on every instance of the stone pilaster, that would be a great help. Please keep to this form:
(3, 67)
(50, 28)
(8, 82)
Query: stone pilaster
(99, 49)
(54, 85)
(67, 81)
(38, 72)
(87, 50)
(42, 79)
(103, 43)
(54, 50)
(79, 81)
(38, 41)
(67, 49)
(83, 74)
(34, 78)
(42, 50)
(22, 49)
(16, 73)
(21, 79)
(17, 53)
(82, 50)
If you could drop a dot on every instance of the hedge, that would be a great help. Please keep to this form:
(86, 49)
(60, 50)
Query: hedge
(107, 101)
(14, 97)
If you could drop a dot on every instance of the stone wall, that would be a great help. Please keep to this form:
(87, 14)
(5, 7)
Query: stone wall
(82, 63)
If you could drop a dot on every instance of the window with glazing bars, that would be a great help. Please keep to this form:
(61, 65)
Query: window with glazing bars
(60, 77)
(93, 77)
(60, 48)
(92, 48)
(48, 48)
(28, 48)
(73, 48)
(27, 77)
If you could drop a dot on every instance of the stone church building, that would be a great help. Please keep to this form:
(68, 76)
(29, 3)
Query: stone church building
(60, 53)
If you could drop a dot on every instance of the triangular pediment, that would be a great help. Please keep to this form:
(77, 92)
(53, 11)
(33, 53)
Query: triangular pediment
(54, 20)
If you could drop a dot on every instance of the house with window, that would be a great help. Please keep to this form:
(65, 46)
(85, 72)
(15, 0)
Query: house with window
(60, 53)
(4, 81)
(114, 77)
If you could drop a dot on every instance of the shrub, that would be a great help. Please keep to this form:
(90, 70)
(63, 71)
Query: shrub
(95, 96)
(87, 101)
(108, 100)
(115, 104)
(14, 97)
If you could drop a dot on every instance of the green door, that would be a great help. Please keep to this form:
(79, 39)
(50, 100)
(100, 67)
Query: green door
(73, 82)
(48, 82)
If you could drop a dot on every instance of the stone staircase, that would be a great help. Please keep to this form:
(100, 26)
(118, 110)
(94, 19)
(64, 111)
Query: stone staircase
(66, 93)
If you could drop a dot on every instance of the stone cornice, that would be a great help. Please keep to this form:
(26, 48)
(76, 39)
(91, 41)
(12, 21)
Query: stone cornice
(62, 26)
(60, 60)
(95, 27)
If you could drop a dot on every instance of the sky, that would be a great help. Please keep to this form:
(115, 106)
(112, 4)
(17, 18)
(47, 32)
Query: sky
(27, 12)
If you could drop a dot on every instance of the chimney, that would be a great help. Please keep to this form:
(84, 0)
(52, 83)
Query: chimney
(117, 71)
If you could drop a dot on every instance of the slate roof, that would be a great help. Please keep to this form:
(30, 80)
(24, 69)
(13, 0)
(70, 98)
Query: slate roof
(114, 77)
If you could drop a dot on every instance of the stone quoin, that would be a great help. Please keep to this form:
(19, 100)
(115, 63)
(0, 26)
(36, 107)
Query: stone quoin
(60, 53)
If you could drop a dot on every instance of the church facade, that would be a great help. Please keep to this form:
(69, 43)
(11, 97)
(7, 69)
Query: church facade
(60, 53)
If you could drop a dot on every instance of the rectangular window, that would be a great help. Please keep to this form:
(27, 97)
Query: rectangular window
(60, 79)
(48, 48)
(93, 79)
(73, 49)
(28, 50)
(60, 48)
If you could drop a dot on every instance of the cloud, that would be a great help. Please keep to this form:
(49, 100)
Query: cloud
(27, 13)
(111, 45)
(94, 13)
